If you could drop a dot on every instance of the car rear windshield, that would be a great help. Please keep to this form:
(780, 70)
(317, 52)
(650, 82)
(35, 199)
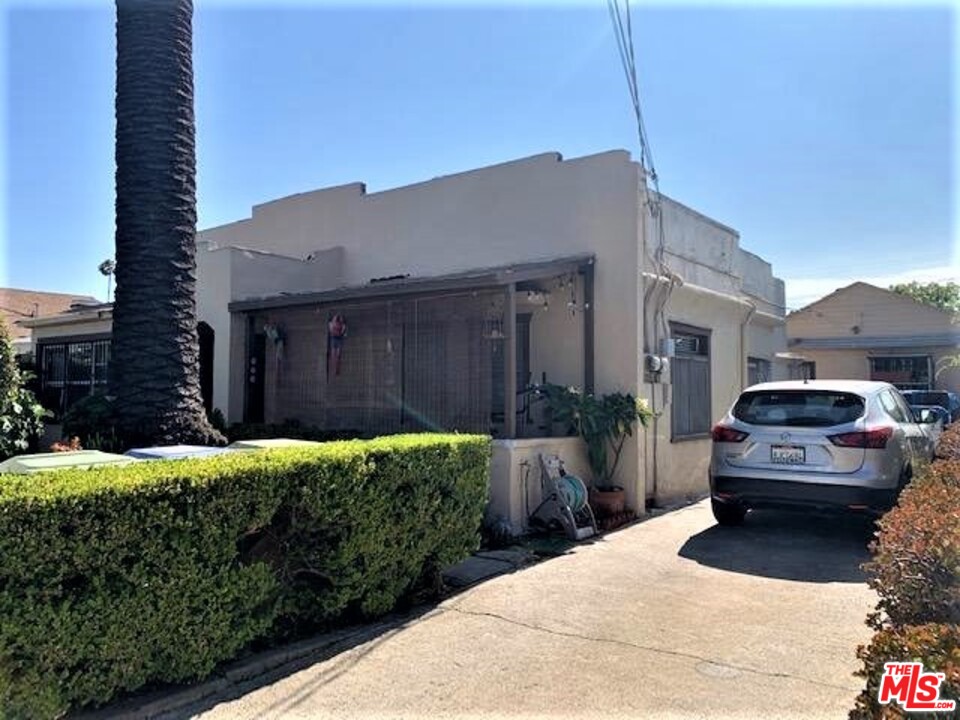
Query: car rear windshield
(799, 408)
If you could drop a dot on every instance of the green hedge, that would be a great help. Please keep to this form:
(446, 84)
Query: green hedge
(287, 429)
(113, 578)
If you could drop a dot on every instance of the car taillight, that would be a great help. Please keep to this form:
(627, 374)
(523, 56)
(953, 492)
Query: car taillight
(875, 439)
(723, 433)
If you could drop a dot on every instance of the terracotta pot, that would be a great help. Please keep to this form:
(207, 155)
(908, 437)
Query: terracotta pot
(606, 503)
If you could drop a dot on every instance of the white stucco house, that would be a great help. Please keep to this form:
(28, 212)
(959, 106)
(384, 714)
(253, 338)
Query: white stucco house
(439, 305)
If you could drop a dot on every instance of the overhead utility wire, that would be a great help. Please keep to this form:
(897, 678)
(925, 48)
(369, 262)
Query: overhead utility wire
(622, 21)
(623, 32)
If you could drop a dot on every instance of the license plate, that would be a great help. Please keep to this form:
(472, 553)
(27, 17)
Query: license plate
(788, 454)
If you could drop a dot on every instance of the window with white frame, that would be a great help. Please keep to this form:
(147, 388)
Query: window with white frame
(691, 412)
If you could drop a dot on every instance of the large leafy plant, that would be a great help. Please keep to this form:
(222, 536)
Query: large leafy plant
(21, 416)
(93, 420)
(604, 423)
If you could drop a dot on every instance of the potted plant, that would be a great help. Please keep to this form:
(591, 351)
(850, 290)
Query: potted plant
(604, 423)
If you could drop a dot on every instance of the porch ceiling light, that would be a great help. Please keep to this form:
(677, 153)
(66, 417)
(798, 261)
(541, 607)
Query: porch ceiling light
(537, 297)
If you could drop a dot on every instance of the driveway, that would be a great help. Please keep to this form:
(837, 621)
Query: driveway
(671, 618)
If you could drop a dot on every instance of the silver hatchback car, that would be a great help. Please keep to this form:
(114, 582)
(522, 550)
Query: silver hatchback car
(818, 443)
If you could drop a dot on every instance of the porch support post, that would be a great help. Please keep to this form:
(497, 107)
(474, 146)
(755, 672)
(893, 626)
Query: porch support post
(510, 364)
(588, 329)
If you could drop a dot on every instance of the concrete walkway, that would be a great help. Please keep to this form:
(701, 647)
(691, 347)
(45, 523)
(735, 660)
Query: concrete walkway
(671, 618)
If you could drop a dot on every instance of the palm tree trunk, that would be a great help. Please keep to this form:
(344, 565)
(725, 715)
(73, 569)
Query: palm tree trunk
(154, 373)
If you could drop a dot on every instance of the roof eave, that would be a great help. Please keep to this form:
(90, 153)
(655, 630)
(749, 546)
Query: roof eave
(488, 278)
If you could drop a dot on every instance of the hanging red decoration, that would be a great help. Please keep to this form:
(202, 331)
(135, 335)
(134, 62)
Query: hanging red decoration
(336, 334)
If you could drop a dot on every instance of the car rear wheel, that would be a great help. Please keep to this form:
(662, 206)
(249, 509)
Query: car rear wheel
(728, 514)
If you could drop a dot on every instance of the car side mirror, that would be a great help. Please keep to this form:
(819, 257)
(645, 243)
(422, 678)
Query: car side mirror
(927, 417)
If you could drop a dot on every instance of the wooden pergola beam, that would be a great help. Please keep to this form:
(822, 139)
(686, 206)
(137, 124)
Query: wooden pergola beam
(588, 329)
(510, 364)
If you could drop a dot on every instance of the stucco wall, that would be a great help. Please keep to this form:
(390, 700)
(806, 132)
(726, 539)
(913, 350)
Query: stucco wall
(764, 340)
(213, 288)
(855, 364)
(556, 339)
(680, 468)
(515, 474)
(70, 329)
(721, 285)
(840, 364)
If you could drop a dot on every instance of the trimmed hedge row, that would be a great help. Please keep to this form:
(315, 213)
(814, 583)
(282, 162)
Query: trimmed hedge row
(287, 429)
(916, 574)
(116, 577)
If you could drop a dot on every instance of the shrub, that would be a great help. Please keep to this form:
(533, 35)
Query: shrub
(287, 429)
(946, 472)
(916, 573)
(21, 424)
(948, 445)
(21, 416)
(936, 646)
(217, 420)
(603, 423)
(116, 577)
(9, 370)
(916, 564)
(93, 422)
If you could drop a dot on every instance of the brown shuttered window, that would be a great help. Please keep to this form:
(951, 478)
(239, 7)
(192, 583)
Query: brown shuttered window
(691, 414)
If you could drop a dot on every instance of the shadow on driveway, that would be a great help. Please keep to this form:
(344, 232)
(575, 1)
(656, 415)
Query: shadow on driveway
(807, 547)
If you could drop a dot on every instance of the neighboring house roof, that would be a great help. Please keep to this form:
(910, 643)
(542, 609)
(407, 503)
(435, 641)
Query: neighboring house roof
(864, 316)
(80, 313)
(21, 305)
(889, 295)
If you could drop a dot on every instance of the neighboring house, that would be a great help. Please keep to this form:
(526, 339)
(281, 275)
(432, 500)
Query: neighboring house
(440, 305)
(72, 350)
(866, 332)
(73, 347)
(19, 305)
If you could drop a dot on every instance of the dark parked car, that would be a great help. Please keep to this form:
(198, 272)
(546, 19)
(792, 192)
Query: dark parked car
(943, 398)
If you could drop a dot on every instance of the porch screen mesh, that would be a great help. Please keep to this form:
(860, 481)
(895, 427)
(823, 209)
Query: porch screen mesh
(404, 365)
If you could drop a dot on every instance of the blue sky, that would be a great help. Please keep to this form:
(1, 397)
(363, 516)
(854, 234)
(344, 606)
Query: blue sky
(823, 133)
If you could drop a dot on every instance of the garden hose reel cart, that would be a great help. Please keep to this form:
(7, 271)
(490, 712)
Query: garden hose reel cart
(564, 501)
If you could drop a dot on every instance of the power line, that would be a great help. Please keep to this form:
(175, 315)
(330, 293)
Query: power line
(623, 32)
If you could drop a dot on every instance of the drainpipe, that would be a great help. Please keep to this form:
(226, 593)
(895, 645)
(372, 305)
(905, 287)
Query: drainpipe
(743, 343)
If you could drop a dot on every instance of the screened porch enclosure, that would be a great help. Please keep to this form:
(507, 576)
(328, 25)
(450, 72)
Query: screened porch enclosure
(459, 359)
(402, 366)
